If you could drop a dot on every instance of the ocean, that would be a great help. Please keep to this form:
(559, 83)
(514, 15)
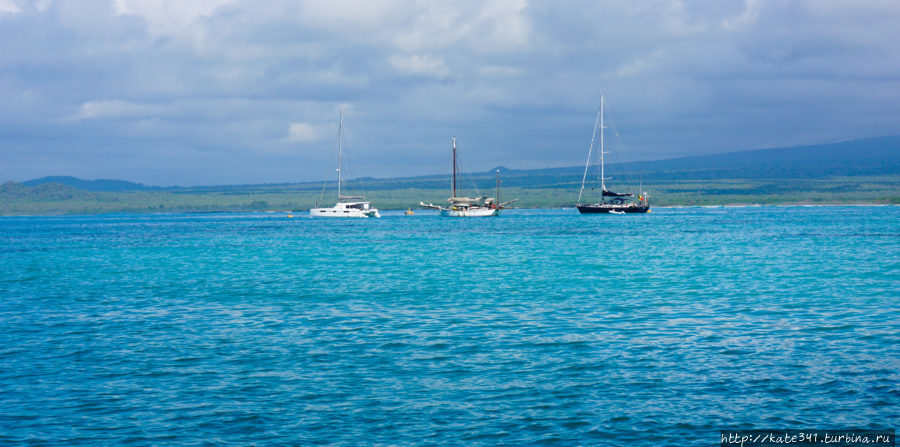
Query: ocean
(538, 327)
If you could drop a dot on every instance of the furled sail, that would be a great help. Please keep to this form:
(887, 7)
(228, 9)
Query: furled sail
(615, 194)
(468, 200)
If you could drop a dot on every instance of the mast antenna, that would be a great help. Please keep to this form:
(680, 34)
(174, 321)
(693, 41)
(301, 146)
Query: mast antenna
(602, 168)
(498, 187)
(340, 155)
(454, 166)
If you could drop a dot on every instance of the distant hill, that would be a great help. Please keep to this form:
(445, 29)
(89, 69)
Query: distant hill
(90, 185)
(864, 157)
(871, 156)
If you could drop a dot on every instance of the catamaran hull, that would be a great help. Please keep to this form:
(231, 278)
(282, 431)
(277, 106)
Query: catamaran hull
(601, 209)
(328, 212)
(481, 212)
(345, 210)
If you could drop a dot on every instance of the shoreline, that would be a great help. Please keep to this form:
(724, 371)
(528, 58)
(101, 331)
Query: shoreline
(139, 213)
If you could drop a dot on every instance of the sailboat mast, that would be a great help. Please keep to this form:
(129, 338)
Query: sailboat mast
(602, 170)
(498, 187)
(340, 155)
(454, 167)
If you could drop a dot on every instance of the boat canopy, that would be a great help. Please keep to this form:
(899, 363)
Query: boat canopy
(615, 194)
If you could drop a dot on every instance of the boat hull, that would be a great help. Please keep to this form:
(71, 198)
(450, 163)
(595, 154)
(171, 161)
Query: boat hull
(355, 209)
(330, 212)
(476, 212)
(609, 209)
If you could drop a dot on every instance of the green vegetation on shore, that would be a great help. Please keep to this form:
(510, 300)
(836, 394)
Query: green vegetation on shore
(854, 172)
(50, 198)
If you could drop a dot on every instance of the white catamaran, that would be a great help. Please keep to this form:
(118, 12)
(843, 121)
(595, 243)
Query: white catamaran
(346, 206)
(618, 202)
(468, 206)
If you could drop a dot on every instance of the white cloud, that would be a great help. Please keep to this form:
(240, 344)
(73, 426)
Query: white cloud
(641, 64)
(169, 16)
(494, 26)
(746, 18)
(9, 7)
(420, 65)
(498, 71)
(301, 133)
(350, 16)
(112, 109)
(508, 24)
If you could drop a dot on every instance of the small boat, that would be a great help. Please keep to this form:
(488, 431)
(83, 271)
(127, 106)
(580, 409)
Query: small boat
(346, 206)
(468, 206)
(618, 203)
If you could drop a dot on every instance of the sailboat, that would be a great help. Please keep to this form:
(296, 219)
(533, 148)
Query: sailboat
(468, 206)
(618, 203)
(346, 206)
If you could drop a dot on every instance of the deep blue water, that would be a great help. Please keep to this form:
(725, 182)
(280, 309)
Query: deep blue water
(537, 327)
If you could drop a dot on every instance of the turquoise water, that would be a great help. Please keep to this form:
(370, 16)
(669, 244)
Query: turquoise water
(537, 327)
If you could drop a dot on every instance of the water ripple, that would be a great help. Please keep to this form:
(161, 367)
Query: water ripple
(539, 327)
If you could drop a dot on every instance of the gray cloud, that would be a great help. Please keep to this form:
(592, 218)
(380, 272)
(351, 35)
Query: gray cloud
(218, 91)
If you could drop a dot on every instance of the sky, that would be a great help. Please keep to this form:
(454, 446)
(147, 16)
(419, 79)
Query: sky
(212, 92)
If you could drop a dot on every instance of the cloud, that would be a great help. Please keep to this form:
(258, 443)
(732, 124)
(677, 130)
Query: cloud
(352, 16)
(491, 27)
(9, 7)
(744, 19)
(301, 133)
(420, 65)
(517, 81)
(168, 16)
(113, 109)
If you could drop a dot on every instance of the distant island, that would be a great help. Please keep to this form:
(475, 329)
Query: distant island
(851, 172)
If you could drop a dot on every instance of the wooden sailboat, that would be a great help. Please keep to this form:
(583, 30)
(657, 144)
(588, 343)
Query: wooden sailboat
(468, 206)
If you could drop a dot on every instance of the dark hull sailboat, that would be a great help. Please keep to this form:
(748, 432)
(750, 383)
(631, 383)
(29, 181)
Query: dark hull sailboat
(606, 208)
(618, 203)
